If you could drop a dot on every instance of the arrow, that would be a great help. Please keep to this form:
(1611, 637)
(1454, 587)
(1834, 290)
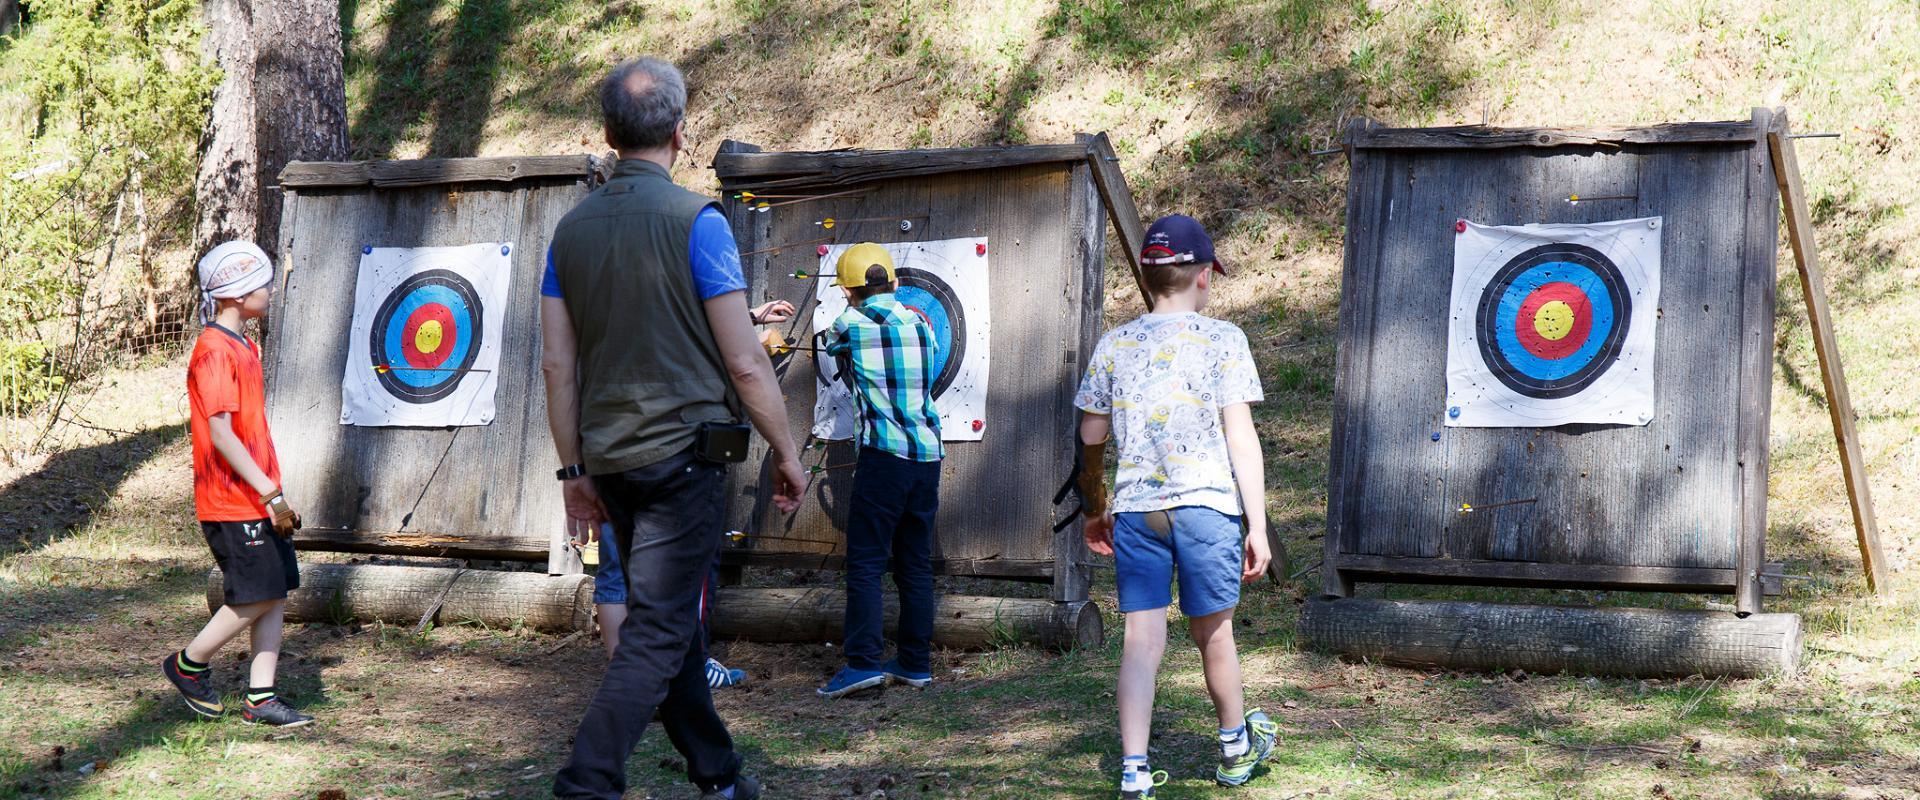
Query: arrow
(386, 368)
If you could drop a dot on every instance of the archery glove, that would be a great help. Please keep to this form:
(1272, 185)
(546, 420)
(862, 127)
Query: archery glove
(285, 520)
(1091, 481)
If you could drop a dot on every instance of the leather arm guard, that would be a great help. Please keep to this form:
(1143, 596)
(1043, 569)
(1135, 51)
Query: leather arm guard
(1091, 480)
(285, 521)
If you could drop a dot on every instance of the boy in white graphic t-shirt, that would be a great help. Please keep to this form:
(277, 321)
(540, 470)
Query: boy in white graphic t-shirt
(1173, 387)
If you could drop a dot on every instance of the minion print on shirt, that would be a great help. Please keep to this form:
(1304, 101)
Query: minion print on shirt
(1163, 379)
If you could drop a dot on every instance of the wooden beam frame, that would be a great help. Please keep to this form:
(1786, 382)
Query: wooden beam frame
(1401, 569)
(1813, 288)
(434, 171)
(1120, 207)
(1367, 136)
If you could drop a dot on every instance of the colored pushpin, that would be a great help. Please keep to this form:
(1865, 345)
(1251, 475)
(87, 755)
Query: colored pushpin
(822, 250)
(980, 249)
(1453, 413)
(504, 248)
(1436, 436)
(1460, 226)
(366, 249)
(978, 424)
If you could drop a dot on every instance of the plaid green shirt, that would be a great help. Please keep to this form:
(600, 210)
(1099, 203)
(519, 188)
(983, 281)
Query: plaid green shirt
(886, 355)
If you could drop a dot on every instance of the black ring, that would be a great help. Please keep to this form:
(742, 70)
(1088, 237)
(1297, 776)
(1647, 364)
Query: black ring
(1609, 352)
(376, 350)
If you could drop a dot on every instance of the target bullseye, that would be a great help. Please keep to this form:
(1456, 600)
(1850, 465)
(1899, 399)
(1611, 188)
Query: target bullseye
(1552, 319)
(426, 336)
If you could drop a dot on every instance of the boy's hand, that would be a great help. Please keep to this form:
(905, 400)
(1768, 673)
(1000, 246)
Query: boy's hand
(1099, 533)
(772, 313)
(1259, 554)
(584, 511)
(285, 521)
(789, 482)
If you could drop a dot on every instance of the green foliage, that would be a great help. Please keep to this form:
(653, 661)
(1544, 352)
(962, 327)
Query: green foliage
(104, 106)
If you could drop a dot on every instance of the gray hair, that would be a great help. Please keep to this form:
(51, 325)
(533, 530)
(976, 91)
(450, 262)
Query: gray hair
(641, 102)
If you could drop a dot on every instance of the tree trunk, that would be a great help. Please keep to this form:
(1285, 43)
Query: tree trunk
(283, 99)
(1624, 642)
(400, 595)
(963, 622)
(227, 190)
(301, 96)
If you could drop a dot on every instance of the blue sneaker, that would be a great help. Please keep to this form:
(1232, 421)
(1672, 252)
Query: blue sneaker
(917, 680)
(849, 680)
(718, 676)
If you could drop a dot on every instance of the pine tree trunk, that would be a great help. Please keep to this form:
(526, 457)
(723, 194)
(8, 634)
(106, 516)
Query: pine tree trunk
(301, 96)
(227, 189)
(283, 99)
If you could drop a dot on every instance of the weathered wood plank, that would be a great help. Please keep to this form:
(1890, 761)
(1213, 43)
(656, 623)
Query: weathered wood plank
(1032, 570)
(1623, 642)
(1813, 290)
(1669, 494)
(367, 485)
(963, 622)
(1542, 574)
(1482, 137)
(1085, 290)
(385, 593)
(1119, 203)
(757, 171)
(432, 171)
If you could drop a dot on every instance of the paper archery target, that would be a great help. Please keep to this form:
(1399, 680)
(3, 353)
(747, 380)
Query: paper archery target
(424, 345)
(944, 283)
(1552, 320)
(1553, 324)
(424, 336)
(926, 295)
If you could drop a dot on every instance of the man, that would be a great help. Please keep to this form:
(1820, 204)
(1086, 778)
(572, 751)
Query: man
(651, 345)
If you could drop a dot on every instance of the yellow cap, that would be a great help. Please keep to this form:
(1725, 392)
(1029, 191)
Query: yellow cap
(852, 269)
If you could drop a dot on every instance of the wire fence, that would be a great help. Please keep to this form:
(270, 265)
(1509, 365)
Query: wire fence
(51, 370)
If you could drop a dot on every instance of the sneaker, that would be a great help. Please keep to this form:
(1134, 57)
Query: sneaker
(1237, 770)
(201, 698)
(849, 680)
(917, 680)
(744, 788)
(1159, 777)
(273, 712)
(718, 676)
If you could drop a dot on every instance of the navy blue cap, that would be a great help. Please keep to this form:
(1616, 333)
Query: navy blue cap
(1178, 240)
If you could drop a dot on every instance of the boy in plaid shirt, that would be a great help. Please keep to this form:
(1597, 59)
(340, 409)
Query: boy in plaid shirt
(886, 350)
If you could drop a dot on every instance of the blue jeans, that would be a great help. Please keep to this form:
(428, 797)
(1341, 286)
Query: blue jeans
(667, 518)
(890, 524)
(610, 582)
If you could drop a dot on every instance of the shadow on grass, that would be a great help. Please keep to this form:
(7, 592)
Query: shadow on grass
(61, 496)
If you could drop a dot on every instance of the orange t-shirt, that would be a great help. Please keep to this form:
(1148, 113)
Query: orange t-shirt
(224, 376)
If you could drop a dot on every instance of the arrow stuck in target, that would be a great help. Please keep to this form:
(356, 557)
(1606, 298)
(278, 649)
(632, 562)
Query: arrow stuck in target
(386, 368)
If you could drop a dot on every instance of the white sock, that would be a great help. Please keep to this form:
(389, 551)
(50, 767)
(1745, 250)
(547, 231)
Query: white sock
(1234, 742)
(1134, 774)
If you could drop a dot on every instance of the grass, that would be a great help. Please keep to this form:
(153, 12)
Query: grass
(1215, 108)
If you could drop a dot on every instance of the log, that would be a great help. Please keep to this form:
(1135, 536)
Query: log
(369, 592)
(964, 622)
(1619, 642)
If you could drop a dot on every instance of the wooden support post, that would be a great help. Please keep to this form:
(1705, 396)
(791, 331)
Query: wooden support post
(1853, 465)
(966, 622)
(1119, 202)
(369, 592)
(1754, 365)
(1624, 642)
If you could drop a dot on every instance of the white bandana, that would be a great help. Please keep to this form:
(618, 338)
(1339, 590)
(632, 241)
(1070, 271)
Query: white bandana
(234, 269)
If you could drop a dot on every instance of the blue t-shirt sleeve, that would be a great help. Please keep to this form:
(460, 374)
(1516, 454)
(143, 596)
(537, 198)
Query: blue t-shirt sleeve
(715, 257)
(550, 283)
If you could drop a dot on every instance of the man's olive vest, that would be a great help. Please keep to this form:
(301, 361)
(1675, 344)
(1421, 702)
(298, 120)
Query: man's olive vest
(650, 372)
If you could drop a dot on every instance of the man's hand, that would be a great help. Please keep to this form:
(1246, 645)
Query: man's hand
(1259, 554)
(1099, 533)
(584, 511)
(789, 481)
(772, 313)
(285, 521)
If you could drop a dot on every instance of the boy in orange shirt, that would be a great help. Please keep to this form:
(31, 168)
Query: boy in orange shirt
(236, 490)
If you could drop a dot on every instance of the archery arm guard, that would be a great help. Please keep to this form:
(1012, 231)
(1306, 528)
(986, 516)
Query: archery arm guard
(1091, 480)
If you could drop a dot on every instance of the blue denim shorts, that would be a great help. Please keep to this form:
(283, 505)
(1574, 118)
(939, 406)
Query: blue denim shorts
(609, 580)
(1203, 549)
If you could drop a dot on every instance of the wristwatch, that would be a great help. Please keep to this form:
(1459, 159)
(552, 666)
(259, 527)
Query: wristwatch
(570, 471)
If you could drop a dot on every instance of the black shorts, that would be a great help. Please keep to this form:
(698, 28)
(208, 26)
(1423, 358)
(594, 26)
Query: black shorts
(258, 563)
